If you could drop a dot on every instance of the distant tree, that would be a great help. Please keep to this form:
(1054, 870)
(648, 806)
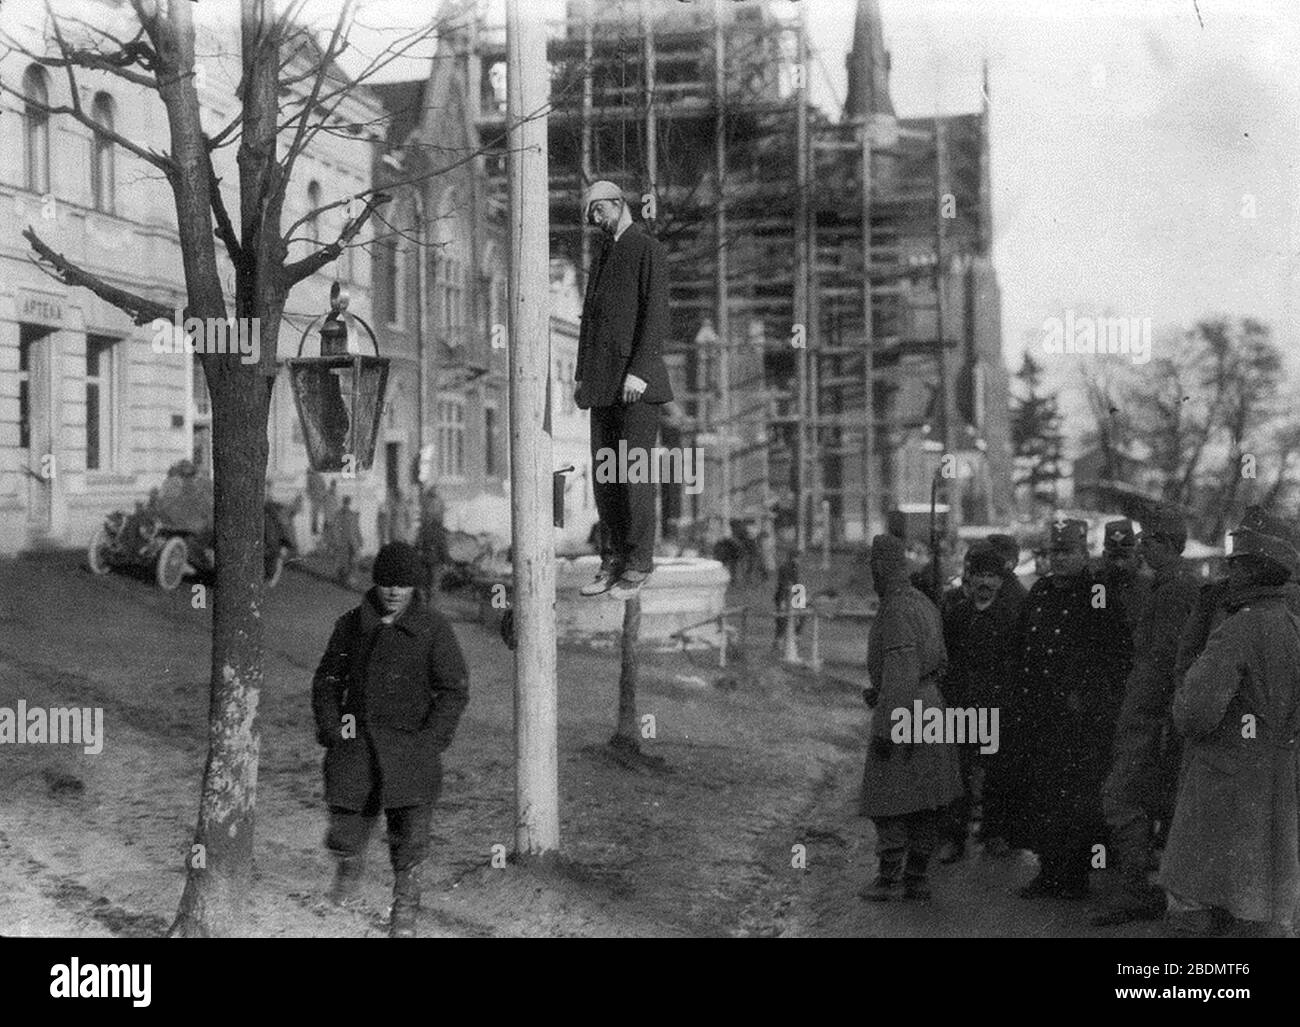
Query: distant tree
(1036, 438)
(1204, 416)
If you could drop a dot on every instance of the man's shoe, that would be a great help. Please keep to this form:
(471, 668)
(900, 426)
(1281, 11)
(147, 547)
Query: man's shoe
(347, 879)
(406, 903)
(916, 891)
(882, 889)
(628, 584)
(599, 585)
(1129, 907)
(955, 853)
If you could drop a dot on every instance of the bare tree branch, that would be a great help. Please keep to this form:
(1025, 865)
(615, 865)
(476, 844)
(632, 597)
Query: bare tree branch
(325, 66)
(300, 270)
(139, 309)
(225, 231)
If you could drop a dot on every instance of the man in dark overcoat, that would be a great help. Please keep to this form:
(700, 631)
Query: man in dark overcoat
(1074, 652)
(1131, 797)
(387, 697)
(623, 381)
(978, 631)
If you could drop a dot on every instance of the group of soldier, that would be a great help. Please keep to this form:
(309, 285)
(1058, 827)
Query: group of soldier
(1140, 712)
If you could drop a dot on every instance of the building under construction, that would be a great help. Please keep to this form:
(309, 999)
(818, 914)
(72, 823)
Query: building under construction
(825, 371)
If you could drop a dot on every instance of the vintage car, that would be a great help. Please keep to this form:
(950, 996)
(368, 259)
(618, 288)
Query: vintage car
(171, 534)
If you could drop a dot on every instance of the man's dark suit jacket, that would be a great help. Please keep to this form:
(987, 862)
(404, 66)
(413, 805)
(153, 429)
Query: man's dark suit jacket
(624, 321)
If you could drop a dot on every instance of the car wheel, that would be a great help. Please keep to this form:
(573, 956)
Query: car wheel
(172, 559)
(98, 550)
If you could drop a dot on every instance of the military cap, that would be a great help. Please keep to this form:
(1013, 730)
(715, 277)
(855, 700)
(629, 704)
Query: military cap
(1165, 520)
(1262, 534)
(1007, 547)
(1068, 531)
(1119, 535)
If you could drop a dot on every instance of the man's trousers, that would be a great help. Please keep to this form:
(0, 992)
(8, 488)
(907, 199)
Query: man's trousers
(408, 831)
(626, 508)
(905, 843)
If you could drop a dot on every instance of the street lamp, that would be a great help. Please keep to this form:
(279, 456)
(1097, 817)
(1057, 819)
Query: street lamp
(339, 395)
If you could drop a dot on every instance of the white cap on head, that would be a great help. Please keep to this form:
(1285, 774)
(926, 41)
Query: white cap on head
(602, 190)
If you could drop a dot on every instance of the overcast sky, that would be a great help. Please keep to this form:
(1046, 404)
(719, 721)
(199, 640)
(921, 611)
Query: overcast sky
(1129, 142)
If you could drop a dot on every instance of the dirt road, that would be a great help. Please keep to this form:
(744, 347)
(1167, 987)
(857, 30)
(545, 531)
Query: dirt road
(760, 762)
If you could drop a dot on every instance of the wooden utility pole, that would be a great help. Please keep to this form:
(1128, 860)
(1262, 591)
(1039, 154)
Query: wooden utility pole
(537, 820)
(584, 170)
(801, 298)
(941, 343)
(814, 436)
(723, 422)
(868, 336)
(651, 178)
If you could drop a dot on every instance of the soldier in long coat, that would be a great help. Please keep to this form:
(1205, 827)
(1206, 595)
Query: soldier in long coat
(1131, 796)
(978, 632)
(387, 697)
(1074, 651)
(1232, 860)
(906, 785)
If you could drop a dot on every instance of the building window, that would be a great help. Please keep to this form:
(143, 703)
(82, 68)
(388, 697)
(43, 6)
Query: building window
(393, 281)
(497, 303)
(103, 176)
(451, 438)
(313, 219)
(202, 403)
(36, 129)
(99, 401)
(450, 271)
(562, 388)
(491, 461)
(26, 339)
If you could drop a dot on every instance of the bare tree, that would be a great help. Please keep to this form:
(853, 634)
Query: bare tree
(1195, 415)
(291, 91)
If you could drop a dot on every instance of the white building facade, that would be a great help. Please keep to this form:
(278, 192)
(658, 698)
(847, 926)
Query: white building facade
(91, 416)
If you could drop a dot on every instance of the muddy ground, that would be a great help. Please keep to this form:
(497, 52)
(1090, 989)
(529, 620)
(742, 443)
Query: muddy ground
(758, 760)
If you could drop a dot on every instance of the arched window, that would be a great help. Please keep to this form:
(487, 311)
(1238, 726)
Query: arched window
(36, 129)
(103, 177)
(451, 274)
(313, 201)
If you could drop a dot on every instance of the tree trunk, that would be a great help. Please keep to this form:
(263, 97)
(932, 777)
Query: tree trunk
(216, 888)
